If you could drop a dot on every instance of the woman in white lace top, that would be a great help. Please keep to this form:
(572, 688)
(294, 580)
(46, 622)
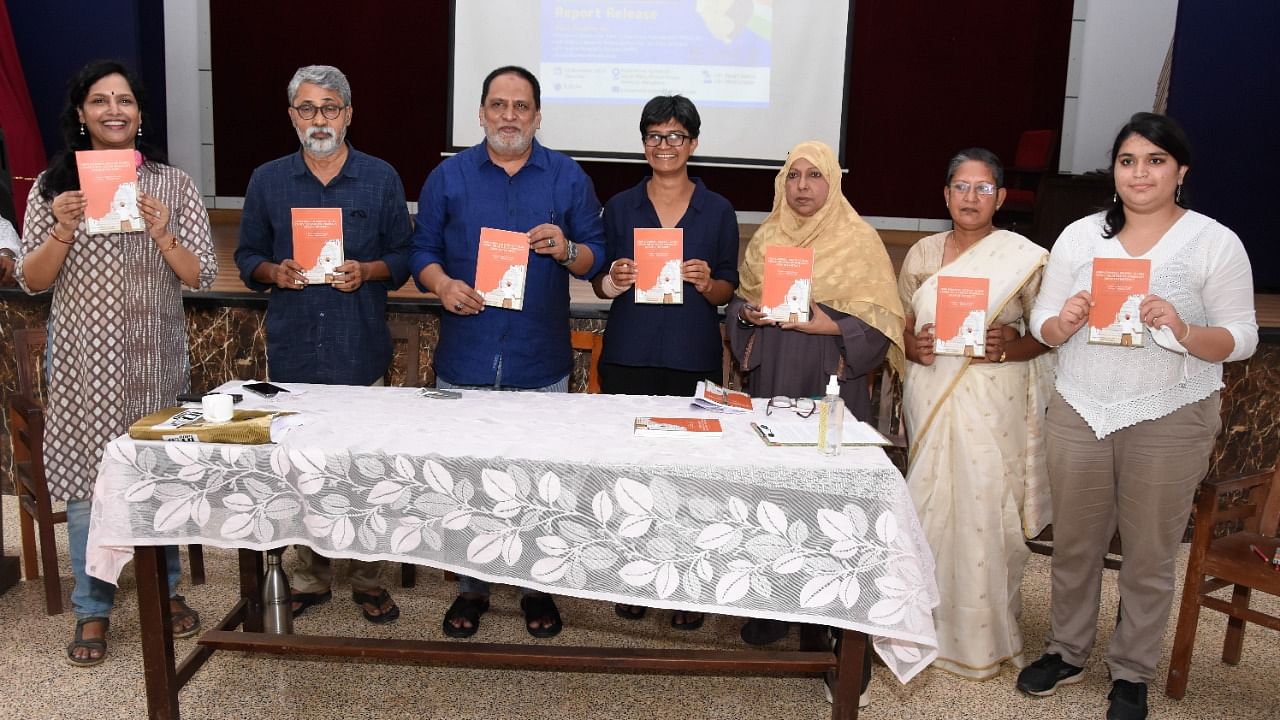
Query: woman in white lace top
(1131, 428)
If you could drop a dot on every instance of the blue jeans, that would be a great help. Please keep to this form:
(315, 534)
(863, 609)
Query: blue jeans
(92, 597)
(468, 584)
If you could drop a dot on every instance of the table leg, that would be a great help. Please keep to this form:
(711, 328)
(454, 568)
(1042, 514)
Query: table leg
(251, 588)
(158, 665)
(849, 668)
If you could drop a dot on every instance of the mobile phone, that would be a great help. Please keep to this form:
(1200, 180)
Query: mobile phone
(438, 394)
(263, 389)
(196, 397)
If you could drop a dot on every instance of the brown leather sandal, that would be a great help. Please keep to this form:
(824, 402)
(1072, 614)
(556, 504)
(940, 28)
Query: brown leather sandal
(80, 643)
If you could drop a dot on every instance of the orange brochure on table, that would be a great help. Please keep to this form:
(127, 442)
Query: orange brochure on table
(658, 254)
(501, 264)
(960, 321)
(1119, 285)
(788, 275)
(677, 427)
(317, 242)
(109, 181)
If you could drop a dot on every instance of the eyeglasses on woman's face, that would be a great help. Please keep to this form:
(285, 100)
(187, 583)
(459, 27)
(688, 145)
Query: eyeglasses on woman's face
(982, 188)
(804, 407)
(674, 139)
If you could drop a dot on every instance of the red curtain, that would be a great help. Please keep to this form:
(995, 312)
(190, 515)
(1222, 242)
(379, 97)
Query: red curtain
(18, 118)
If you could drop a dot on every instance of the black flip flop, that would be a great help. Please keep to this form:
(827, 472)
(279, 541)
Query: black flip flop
(361, 598)
(630, 612)
(80, 643)
(469, 609)
(541, 607)
(306, 600)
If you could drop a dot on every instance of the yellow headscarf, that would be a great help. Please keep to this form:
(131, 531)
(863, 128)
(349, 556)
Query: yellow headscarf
(852, 272)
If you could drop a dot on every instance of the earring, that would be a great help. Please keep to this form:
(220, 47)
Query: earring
(1115, 198)
(82, 128)
(1177, 195)
(139, 129)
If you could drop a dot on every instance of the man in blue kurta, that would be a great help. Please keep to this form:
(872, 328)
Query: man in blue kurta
(334, 333)
(508, 182)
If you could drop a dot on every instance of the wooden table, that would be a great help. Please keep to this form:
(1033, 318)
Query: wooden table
(457, 485)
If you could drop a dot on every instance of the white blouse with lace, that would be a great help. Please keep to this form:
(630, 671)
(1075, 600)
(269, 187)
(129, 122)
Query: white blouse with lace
(1201, 268)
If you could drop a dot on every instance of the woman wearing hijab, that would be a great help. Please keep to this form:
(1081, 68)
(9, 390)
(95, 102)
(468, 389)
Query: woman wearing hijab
(855, 315)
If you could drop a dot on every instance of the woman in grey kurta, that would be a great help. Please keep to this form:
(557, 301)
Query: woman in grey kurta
(117, 332)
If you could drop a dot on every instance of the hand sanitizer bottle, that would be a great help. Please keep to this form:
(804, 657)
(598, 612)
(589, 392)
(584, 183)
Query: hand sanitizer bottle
(831, 420)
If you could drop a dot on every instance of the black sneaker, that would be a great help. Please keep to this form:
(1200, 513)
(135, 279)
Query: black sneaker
(1043, 676)
(1128, 701)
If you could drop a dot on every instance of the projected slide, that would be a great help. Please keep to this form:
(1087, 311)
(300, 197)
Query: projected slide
(599, 51)
(765, 74)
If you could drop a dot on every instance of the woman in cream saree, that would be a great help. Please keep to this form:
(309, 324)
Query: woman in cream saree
(976, 468)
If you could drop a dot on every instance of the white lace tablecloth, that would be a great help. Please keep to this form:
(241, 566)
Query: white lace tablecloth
(548, 491)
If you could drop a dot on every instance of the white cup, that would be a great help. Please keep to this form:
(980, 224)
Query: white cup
(217, 407)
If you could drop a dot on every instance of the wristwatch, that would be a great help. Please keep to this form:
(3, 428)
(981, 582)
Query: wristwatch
(572, 253)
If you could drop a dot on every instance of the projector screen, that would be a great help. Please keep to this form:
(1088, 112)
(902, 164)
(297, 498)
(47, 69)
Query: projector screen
(765, 75)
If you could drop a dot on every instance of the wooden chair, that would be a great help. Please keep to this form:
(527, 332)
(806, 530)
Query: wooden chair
(592, 342)
(36, 517)
(1233, 516)
(411, 335)
(1042, 544)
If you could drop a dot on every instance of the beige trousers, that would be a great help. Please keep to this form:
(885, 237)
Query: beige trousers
(314, 573)
(1141, 480)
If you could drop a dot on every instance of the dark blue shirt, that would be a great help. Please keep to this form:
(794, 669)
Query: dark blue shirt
(677, 337)
(319, 334)
(467, 192)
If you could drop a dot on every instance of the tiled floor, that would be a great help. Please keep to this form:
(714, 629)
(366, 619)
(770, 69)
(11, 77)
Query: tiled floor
(35, 683)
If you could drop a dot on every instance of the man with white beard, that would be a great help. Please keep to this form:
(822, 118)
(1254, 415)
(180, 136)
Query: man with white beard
(508, 181)
(332, 333)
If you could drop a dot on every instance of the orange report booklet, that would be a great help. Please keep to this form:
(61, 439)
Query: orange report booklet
(681, 427)
(1119, 285)
(788, 273)
(109, 181)
(710, 396)
(501, 264)
(317, 242)
(658, 254)
(960, 322)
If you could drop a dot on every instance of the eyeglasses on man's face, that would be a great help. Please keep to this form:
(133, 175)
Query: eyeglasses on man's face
(674, 139)
(307, 111)
(983, 188)
(804, 407)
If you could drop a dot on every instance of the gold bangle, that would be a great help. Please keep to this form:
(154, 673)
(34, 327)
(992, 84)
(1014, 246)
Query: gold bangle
(1185, 335)
(173, 243)
(53, 234)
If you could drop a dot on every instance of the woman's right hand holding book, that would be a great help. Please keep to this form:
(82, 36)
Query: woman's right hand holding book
(1074, 315)
(68, 210)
